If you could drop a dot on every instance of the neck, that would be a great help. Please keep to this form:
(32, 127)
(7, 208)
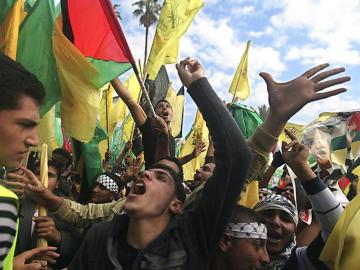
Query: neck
(218, 263)
(142, 231)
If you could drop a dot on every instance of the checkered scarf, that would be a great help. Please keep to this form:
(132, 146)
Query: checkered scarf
(278, 202)
(252, 230)
(110, 181)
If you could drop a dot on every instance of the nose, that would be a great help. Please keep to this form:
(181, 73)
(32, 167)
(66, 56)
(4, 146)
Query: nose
(145, 175)
(275, 220)
(32, 139)
(264, 256)
(96, 189)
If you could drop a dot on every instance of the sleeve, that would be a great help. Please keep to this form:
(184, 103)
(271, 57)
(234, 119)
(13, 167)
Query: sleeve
(80, 215)
(70, 242)
(8, 221)
(233, 157)
(261, 144)
(325, 205)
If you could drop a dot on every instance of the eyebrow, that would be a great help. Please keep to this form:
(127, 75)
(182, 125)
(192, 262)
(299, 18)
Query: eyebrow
(162, 172)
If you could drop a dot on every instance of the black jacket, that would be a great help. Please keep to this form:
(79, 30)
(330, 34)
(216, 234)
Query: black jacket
(191, 238)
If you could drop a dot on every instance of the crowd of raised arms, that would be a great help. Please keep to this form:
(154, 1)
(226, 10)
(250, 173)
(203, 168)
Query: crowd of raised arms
(142, 214)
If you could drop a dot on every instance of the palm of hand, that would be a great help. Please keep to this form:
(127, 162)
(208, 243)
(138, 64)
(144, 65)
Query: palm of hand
(285, 99)
(295, 158)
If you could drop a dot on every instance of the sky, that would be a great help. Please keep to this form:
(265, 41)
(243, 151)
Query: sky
(288, 37)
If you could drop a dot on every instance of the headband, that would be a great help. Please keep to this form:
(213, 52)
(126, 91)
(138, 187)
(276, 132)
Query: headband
(251, 230)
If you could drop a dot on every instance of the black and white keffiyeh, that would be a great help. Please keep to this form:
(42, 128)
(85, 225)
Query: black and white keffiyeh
(252, 230)
(110, 181)
(278, 202)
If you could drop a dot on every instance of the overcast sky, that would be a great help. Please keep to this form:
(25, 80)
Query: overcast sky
(288, 37)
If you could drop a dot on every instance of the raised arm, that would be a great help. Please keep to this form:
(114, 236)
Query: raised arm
(232, 159)
(135, 109)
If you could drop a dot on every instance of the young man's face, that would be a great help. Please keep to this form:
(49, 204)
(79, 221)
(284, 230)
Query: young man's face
(53, 180)
(246, 254)
(280, 230)
(101, 194)
(164, 110)
(153, 193)
(204, 172)
(18, 131)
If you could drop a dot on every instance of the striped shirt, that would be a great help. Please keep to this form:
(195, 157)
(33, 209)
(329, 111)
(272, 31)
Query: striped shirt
(8, 219)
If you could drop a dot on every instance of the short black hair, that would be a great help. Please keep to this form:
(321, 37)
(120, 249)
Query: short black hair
(244, 214)
(161, 100)
(16, 82)
(54, 163)
(64, 153)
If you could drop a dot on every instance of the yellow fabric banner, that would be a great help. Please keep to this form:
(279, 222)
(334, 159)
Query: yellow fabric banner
(341, 250)
(199, 131)
(175, 18)
(240, 86)
(80, 97)
(177, 103)
(9, 30)
(46, 131)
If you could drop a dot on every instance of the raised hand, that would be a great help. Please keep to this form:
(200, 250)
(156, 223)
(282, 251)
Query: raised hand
(159, 126)
(190, 70)
(295, 155)
(129, 145)
(200, 147)
(285, 99)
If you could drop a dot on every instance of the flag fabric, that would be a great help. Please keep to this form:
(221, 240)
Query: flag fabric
(240, 86)
(37, 28)
(247, 120)
(296, 129)
(11, 16)
(342, 247)
(73, 56)
(175, 18)
(47, 131)
(332, 133)
(199, 131)
(176, 101)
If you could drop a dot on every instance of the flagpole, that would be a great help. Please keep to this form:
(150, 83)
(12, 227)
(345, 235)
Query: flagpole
(143, 89)
(107, 117)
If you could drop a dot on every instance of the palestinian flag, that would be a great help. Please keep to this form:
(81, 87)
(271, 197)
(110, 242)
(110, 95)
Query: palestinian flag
(74, 49)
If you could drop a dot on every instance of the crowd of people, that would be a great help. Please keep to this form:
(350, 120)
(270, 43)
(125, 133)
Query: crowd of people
(142, 214)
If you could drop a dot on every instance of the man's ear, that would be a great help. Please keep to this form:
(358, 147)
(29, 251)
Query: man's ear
(176, 206)
(225, 243)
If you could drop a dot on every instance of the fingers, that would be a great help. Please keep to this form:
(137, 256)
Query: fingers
(16, 187)
(327, 74)
(36, 251)
(311, 72)
(327, 94)
(31, 177)
(32, 266)
(323, 85)
(268, 79)
(290, 134)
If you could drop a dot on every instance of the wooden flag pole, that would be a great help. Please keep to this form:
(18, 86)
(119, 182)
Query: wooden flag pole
(42, 242)
(107, 116)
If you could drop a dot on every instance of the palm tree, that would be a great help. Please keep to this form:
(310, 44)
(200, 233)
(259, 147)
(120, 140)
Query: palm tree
(117, 12)
(148, 11)
(263, 111)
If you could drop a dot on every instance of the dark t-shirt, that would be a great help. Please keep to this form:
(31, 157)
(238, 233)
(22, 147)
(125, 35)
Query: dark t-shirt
(149, 140)
(127, 254)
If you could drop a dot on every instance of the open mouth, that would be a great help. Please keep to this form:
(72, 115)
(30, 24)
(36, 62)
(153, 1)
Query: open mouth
(165, 114)
(273, 236)
(139, 188)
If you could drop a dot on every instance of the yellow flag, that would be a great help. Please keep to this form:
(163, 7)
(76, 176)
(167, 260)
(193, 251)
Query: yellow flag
(296, 129)
(240, 86)
(176, 101)
(175, 18)
(251, 195)
(80, 97)
(199, 131)
(106, 104)
(46, 130)
(341, 250)
(9, 29)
